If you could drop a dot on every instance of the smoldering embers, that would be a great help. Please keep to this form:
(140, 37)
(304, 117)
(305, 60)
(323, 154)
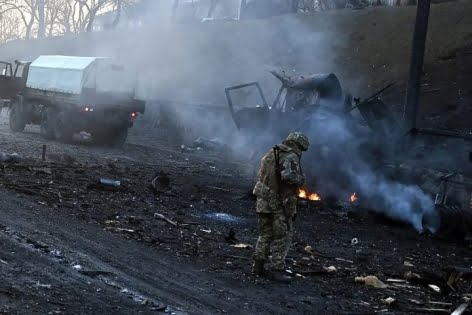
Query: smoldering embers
(341, 163)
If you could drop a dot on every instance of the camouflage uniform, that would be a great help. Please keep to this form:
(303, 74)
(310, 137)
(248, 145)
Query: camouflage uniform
(276, 203)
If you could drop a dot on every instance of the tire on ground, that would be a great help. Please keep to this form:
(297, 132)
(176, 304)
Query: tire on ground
(17, 119)
(48, 123)
(62, 129)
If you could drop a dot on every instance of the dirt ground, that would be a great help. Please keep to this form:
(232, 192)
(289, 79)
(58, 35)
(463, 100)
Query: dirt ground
(72, 245)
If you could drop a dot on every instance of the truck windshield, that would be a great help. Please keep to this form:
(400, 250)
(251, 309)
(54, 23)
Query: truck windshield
(5, 68)
(19, 70)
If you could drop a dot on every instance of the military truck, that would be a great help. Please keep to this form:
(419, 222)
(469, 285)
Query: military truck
(66, 95)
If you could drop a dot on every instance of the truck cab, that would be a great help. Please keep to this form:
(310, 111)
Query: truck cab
(12, 79)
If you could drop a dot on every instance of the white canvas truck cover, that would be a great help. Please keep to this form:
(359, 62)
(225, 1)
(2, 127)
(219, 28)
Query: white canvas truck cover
(70, 74)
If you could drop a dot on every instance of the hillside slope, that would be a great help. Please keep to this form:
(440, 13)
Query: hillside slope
(193, 63)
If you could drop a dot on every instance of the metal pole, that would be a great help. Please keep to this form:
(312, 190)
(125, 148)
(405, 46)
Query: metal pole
(416, 63)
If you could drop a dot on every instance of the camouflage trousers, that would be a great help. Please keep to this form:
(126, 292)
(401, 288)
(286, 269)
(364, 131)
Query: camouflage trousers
(275, 237)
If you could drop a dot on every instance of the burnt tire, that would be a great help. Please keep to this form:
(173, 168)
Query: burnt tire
(62, 129)
(48, 124)
(17, 119)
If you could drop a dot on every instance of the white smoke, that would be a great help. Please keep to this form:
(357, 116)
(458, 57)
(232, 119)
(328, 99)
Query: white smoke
(342, 164)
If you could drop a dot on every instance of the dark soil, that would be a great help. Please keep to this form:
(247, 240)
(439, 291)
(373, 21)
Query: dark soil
(56, 215)
(70, 244)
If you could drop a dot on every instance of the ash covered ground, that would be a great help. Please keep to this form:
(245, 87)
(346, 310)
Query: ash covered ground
(72, 245)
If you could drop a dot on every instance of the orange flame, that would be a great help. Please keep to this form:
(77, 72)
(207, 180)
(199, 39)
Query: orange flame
(303, 194)
(354, 197)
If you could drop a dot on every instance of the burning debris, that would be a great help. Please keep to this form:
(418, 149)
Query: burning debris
(353, 197)
(304, 194)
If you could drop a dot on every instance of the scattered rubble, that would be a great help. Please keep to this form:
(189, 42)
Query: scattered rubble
(330, 269)
(371, 281)
(163, 218)
(389, 301)
(161, 182)
(213, 145)
(10, 158)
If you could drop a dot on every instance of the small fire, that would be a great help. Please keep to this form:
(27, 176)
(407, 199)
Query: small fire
(303, 194)
(314, 197)
(354, 197)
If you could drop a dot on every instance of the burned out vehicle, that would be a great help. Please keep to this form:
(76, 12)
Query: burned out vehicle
(299, 101)
(66, 95)
(363, 146)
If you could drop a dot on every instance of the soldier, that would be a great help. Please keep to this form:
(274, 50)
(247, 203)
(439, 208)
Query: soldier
(280, 176)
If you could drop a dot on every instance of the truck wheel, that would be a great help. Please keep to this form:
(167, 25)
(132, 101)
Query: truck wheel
(112, 138)
(118, 137)
(48, 123)
(17, 120)
(62, 130)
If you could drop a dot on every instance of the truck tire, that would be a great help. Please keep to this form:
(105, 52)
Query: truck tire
(48, 123)
(62, 130)
(119, 136)
(114, 138)
(17, 120)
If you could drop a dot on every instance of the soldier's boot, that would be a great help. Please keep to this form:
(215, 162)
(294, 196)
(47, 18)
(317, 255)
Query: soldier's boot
(280, 276)
(258, 267)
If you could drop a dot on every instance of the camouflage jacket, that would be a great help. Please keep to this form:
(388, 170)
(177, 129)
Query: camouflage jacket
(274, 196)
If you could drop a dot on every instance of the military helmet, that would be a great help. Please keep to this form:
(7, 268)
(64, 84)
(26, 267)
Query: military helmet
(300, 139)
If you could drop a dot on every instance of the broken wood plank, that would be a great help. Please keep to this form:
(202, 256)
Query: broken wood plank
(315, 272)
(440, 303)
(236, 257)
(397, 280)
(461, 309)
(218, 188)
(163, 218)
(430, 310)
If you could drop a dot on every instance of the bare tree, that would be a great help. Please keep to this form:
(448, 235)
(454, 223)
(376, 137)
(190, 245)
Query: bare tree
(51, 17)
(9, 26)
(41, 18)
(26, 10)
(89, 10)
(54, 17)
(121, 7)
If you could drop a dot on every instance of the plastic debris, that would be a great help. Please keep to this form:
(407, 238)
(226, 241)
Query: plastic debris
(408, 264)
(435, 288)
(241, 245)
(389, 301)
(110, 182)
(330, 269)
